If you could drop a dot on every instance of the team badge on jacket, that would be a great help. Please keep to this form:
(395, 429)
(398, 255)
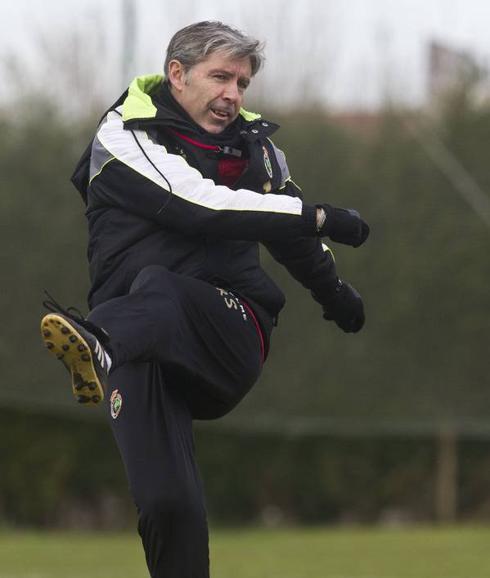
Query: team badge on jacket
(116, 403)
(267, 162)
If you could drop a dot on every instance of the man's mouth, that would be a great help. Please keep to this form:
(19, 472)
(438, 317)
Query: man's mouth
(221, 114)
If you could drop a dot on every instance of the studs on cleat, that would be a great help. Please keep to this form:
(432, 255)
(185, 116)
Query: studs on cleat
(76, 355)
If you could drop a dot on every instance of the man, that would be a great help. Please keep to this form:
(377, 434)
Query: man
(181, 183)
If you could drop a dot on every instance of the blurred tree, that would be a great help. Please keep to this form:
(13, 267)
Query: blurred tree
(420, 361)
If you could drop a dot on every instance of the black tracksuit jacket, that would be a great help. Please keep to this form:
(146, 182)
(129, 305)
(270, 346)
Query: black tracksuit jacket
(150, 182)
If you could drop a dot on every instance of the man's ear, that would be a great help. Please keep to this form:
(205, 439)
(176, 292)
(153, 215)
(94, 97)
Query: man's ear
(176, 74)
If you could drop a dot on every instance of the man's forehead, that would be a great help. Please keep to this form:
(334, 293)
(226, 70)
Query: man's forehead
(224, 60)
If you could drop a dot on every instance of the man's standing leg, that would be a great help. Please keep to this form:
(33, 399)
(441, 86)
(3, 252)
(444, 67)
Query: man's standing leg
(153, 429)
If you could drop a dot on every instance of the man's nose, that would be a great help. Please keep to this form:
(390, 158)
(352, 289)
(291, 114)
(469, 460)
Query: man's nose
(231, 92)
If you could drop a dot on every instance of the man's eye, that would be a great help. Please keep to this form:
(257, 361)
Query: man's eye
(220, 76)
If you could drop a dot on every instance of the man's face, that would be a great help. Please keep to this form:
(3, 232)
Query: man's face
(212, 91)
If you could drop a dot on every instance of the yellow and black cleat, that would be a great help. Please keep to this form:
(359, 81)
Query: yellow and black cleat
(81, 354)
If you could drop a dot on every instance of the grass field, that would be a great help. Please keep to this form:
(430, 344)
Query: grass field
(300, 553)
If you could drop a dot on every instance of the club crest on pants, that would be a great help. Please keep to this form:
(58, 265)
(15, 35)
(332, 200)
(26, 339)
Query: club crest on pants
(116, 403)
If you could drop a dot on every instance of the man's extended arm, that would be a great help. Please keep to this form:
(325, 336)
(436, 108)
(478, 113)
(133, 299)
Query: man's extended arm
(130, 171)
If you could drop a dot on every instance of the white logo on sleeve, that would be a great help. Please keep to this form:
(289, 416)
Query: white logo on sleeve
(100, 354)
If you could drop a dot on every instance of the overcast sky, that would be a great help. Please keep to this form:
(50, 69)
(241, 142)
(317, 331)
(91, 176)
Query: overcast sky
(354, 51)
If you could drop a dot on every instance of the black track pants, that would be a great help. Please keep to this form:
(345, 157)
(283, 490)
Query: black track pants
(182, 349)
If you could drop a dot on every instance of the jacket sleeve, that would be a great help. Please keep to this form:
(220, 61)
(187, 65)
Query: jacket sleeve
(308, 262)
(128, 170)
(307, 259)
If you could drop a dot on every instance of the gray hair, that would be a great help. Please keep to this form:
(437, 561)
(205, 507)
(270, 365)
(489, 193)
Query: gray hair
(196, 42)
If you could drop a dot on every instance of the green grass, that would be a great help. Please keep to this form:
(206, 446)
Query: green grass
(300, 553)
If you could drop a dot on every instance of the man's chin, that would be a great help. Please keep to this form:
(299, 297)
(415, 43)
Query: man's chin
(215, 125)
(216, 129)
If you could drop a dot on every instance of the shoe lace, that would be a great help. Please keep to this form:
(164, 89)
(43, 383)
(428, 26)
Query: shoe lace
(75, 314)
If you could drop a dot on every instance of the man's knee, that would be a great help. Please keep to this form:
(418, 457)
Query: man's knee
(166, 508)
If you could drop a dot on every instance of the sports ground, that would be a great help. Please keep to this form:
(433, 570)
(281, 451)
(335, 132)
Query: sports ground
(457, 552)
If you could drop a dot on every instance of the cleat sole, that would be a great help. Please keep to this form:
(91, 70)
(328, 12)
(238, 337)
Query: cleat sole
(64, 341)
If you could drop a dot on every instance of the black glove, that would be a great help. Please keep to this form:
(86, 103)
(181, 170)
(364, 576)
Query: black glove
(343, 226)
(344, 306)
